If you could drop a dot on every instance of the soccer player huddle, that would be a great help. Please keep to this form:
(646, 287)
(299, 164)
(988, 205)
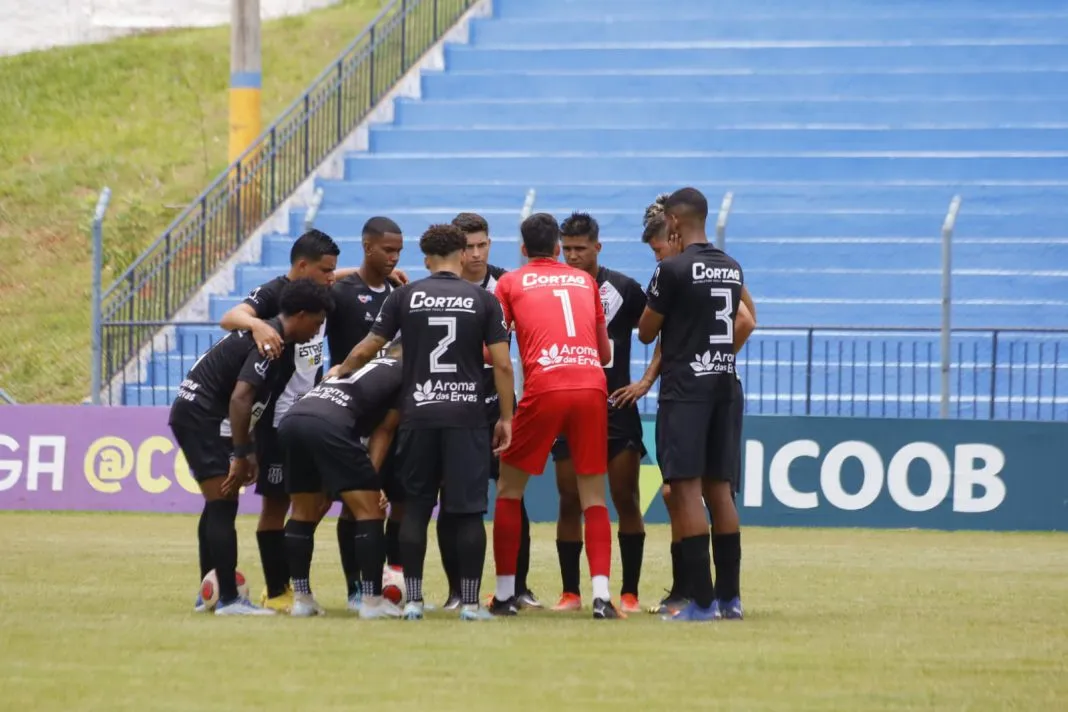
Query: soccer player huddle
(418, 412)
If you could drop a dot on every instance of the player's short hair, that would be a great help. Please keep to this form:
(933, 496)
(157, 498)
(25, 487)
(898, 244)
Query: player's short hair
(541, 235)
(313, 246)
(379, 226)
(687, 202)
(305, 295)
(580, 225)
(442, 241)
(654, 220)
(470, 223)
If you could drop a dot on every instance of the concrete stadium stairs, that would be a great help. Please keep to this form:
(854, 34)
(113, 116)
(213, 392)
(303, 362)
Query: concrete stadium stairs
(843, 127)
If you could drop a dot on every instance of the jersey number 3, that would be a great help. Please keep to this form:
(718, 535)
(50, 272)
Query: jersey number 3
(723, 316)
(449, 322)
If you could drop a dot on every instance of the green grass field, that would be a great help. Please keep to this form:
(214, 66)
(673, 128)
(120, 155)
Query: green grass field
(144, 115)
(96, 615)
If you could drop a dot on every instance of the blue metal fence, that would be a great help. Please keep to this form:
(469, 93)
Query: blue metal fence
(215, 225)
(1005, 374)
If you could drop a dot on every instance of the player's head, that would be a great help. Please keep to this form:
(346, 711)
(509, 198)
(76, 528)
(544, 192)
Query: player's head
(382, 245)
(304, 304)
(314, 256)
(656, 233)
(476, 230)
(443, 248)
(541, 236)
(580, 235)
(686, 211)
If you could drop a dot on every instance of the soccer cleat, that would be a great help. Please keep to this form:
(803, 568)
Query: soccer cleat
(282, 603)
(732, 609)
(354, 602)
(693, 613)
(382, 608)
(305, 606)
(604, 610)
(241, 607)
(503, 608)
(199, 606)
(628, 603)
(527, 599)
(452, 603)
(475, 613)
(413, 611)
(669, 605)
(568, 602)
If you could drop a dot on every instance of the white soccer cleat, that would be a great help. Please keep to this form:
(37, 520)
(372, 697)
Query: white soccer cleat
(381, 608)
(305, 606)
(242, 607)
(354, 603)
(413, 611)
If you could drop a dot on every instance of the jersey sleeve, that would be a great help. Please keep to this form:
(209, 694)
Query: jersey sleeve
(633, 303)
(496, 329)
(257, 370)
(388, 321)
(265, 299)
(661, 290)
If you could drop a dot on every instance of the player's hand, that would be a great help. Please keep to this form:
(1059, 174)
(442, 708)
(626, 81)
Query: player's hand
(502, 436)
(383, 500)
(334, 371)
(239, 473)
(268, 340)
(398, 277)
(629, 395)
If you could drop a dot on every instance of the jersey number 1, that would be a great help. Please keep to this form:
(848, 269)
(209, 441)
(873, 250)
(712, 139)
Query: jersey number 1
(449, 322)
(565, 303)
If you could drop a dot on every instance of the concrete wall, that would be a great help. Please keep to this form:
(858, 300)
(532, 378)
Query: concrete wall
(40, 24)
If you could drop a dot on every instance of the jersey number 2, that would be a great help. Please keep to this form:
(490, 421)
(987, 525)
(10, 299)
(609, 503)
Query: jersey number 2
(449, 322)
(723, 315)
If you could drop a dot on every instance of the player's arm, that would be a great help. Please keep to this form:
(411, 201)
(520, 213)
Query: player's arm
(382, 438)
(634, 392)
(744, 324)
(244, 317)
(659, 294)
(649, 325)
(747, 300)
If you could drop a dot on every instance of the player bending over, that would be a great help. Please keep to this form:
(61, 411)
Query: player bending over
(358, 297)
(213, 416)
(559, 322)
(623, 300)
(477, 270)
(336, 440)
(444, 446)
(694, 300)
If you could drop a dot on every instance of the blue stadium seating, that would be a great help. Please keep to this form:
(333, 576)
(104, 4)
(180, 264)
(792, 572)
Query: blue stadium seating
(843, 127)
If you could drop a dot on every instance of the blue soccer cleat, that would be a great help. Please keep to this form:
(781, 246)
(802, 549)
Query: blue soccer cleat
(693, 613)
(732, 610)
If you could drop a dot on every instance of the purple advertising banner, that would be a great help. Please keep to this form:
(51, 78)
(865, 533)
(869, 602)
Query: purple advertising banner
(95, 458)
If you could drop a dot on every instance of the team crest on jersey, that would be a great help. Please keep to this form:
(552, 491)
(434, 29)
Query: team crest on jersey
(274, 474)
(364, 298)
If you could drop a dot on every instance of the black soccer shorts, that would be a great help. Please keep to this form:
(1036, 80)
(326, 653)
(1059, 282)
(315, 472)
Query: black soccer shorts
(699, 439)
(454, 462)
(271, 461)
(208, 453)
(321, 456)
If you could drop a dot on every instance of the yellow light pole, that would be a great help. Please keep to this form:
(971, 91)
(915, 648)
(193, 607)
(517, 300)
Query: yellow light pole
(246, 78)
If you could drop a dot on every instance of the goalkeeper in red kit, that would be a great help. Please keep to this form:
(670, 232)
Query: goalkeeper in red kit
(559, 322)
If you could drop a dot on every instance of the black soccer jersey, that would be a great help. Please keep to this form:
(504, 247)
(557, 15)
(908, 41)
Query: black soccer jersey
(355, 307)
(489, 386)
(698, 293)
(359, 400)
(623, 301)
(203, 400)
(444, 322)
(307, 358)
